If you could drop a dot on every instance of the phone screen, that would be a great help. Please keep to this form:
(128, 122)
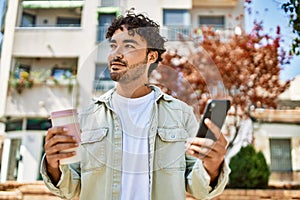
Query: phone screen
(216, 111)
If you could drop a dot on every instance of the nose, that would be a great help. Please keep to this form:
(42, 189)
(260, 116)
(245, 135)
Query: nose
(119, 56)
(117, 53)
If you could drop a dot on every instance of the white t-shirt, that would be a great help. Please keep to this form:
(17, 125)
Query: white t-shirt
(135, 115)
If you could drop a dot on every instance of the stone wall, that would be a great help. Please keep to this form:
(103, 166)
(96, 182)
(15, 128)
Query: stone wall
(38, 191)
(25, 191)
(270, 194)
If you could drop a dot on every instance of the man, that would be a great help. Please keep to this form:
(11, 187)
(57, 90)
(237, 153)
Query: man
(134, 140)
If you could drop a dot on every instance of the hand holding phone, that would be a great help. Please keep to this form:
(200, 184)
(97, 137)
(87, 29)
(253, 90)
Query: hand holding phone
(216, 111)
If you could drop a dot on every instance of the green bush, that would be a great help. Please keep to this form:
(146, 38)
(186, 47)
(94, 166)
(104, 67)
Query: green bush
(249, 169)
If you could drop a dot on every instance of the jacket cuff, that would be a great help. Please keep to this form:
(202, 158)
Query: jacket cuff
(47, 180)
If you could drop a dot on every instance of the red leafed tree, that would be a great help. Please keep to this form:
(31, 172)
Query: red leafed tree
(244, 68)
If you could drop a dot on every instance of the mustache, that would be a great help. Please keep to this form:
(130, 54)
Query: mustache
(118, 60)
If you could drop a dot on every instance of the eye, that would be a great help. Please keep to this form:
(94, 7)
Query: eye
(129, 46)
(112, 46)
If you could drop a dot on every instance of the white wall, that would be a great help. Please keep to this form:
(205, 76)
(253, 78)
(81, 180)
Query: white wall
(221, 11)
(265, 131)
(30, 151)
(152, 8)
(178, 4)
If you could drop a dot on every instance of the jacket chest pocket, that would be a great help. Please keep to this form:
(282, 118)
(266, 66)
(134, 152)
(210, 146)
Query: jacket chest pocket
(94, 149)
(170, 149)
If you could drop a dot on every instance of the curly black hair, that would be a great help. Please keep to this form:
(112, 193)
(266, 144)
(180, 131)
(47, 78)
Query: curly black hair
(144, 27)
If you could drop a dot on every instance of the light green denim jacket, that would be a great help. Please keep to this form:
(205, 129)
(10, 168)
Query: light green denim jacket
(98, 175)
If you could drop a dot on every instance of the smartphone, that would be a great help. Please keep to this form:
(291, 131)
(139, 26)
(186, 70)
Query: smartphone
(216, 111)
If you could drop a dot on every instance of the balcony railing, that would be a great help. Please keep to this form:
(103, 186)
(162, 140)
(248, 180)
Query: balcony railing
(46, 4)
(103, 85)
(214, 3)
(177, 33)
(34, 101)
(50, 25)
(110, 3)
(101, 33)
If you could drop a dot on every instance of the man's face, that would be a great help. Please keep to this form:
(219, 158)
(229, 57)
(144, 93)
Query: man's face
(127, 58)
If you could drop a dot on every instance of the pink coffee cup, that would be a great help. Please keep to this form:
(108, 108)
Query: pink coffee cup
(68, 119)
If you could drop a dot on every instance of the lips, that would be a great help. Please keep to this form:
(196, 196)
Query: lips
(115, 66)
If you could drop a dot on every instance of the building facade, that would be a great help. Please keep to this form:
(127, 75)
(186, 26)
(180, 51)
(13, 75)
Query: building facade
(54, 57)
(277, 132)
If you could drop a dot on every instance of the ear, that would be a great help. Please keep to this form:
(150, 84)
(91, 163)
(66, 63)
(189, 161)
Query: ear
(152, 57)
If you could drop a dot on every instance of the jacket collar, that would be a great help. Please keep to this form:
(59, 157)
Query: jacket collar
(106, 97)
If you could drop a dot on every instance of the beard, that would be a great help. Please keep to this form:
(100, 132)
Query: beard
(131, 73)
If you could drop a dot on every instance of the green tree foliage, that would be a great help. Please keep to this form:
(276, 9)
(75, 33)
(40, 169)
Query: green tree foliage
(249, 169)
(292, 7)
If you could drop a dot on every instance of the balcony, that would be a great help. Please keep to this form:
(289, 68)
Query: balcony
(172, 33)
(39, 100)
(51, 14)
(215, 3)
(282, 116)
(47, 42)
(45, 4)
(39, 85)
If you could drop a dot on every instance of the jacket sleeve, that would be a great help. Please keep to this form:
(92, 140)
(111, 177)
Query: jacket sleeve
(197, 178)
(198, 181)
(68, 186)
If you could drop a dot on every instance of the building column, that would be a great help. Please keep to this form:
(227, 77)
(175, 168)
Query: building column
(7, 49)
(5, 160)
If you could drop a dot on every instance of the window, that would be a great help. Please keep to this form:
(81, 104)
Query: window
(215, 21)
(102, 72)
(281, 155)
(15, 158)
(68, 22)
(59, 73)
(31, 124)
(176, 17)
(13, 125)
(102, 81)
(177, 23)
(104, 20)
(28, 20)
(38, 124)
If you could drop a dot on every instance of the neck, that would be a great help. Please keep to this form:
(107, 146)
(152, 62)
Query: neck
(132, 90)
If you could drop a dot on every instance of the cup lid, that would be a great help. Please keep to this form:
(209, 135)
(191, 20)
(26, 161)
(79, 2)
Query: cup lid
(63, 113)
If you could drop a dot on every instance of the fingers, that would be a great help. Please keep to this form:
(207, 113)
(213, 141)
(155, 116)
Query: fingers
(57, 141)
(55, 130)
(216, 131)
(54, 158)
(61, 147)
(205, 148)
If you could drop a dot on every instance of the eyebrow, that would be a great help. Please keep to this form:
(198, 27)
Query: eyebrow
(125, 41)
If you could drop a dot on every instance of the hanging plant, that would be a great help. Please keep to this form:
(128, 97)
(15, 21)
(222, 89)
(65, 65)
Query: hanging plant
(24, 81)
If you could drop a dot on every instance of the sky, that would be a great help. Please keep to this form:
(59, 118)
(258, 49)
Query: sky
(1, 11)
(272, 15)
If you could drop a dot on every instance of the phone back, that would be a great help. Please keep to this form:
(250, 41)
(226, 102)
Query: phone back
(216, 111)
